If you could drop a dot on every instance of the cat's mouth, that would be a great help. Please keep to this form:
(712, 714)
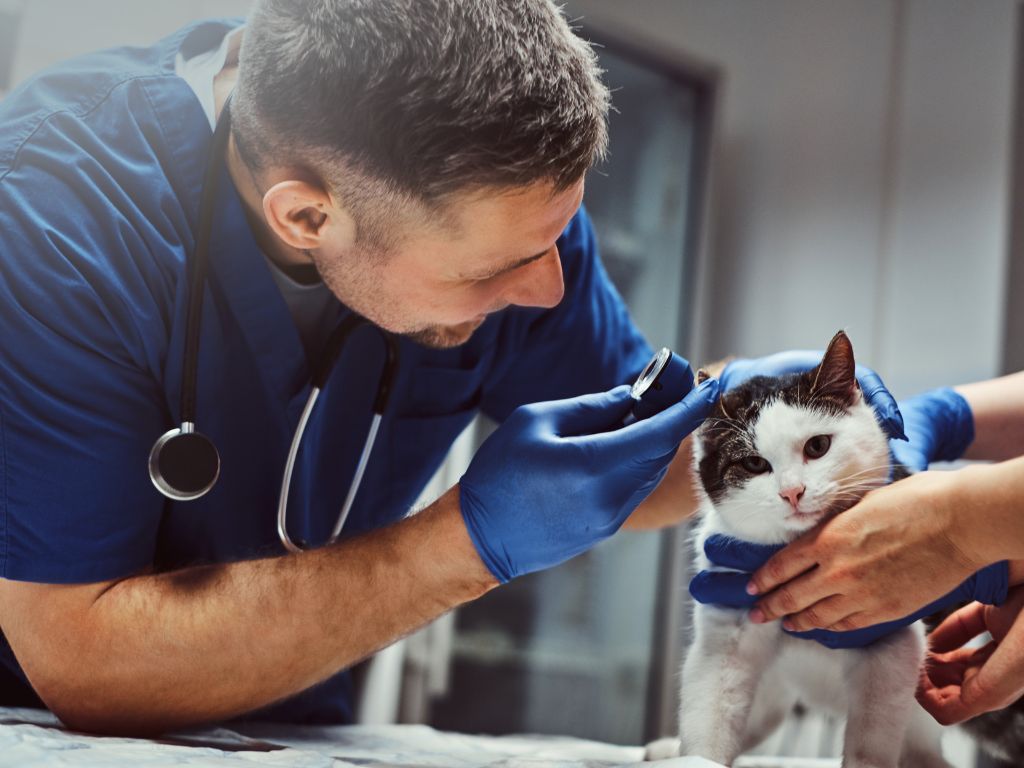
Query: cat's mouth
(809, 517)
(801, 514)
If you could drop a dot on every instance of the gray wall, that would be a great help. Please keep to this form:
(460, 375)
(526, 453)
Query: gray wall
(864, 153)
(56, 29)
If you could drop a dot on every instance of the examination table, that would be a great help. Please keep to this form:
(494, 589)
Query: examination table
(33, 738)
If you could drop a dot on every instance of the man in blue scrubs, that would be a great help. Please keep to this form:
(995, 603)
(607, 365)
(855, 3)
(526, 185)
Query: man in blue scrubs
(418, 163)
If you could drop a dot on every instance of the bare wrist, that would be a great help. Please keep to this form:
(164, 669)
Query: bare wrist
(977, 529)
(948, 495)
(457, 547)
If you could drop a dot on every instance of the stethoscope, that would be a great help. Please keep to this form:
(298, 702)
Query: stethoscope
(184, 464)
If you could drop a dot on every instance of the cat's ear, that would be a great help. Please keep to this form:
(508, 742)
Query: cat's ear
(721, 409)
(836, 376)
(728, 404)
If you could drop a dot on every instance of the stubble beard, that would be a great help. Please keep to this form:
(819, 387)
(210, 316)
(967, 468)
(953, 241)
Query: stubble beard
(362, 292)
(444, 336)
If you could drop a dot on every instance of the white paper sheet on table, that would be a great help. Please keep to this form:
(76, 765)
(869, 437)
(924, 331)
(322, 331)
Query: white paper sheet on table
(33, 739)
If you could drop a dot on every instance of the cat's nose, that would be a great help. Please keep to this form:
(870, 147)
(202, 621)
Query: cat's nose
(793, 495)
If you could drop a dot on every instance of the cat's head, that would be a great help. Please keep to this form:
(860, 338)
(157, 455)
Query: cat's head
(779, 455)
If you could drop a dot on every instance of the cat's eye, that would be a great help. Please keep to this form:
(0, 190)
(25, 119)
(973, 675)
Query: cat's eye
(755, 465)
(817, 446)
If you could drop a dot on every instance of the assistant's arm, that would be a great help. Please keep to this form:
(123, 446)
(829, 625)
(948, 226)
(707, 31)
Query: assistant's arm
(155, 652)
(998, 408)
(990, 525)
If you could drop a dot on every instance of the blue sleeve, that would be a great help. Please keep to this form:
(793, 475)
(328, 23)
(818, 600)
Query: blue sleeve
(85, 315)
(588, 343)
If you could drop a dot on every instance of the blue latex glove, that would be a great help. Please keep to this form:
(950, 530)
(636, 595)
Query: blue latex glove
(797, 361)
(939, 426)
(728, 589)
(556, 478)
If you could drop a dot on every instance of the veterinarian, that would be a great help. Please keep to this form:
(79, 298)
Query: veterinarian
(909, 544)
(254, 275)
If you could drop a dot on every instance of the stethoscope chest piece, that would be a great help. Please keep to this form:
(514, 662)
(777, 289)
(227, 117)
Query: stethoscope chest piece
(184, 464)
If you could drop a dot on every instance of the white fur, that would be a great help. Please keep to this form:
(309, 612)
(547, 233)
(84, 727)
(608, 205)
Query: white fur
(741, 679)
(857, 461)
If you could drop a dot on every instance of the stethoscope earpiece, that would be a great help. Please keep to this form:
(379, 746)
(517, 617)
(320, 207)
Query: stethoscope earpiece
(184, 464)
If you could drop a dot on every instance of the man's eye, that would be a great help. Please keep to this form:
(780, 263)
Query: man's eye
(755, 465)
(817, 446)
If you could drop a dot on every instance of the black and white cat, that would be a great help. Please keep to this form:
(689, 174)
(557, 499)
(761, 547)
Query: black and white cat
(778, 456)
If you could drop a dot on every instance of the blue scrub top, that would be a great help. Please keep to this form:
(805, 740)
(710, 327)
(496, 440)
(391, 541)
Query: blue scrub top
(101, 165)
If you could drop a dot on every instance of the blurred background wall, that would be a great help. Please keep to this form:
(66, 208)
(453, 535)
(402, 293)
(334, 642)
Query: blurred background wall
(862, 173)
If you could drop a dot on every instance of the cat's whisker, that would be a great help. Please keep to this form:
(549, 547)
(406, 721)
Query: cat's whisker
(863, 483)
(728, 428)
(860, 490)
(871, 468)
(868, 470)
(718, 422)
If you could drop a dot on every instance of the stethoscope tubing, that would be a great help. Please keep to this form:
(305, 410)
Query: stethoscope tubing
(289, 469)
(204, 467)
(200, 263)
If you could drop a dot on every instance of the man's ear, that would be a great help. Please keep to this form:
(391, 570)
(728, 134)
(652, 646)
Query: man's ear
(304, 216)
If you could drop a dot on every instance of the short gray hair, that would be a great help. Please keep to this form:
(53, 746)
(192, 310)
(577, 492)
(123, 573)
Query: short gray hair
(423, 98)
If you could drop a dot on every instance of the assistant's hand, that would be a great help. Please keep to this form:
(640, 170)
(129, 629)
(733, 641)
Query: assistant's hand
(959, 683)
(727, 589)
(900, 548)
(939, 427)
(796, 361)
(557, 478)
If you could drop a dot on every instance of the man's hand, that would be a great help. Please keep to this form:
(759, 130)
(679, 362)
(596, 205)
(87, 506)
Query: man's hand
(557, 478)
(959, 683)
(900, 548)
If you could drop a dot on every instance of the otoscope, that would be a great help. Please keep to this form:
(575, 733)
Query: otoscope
(665, 380)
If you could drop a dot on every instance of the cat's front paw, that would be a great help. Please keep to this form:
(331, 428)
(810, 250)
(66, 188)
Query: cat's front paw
(662, 749)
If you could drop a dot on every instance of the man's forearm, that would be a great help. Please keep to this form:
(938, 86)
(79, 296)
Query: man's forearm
(204, 644)
(998, 409)
(674, 500)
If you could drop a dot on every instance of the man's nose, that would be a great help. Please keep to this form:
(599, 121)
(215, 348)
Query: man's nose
(793, 494)
(539, 284)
